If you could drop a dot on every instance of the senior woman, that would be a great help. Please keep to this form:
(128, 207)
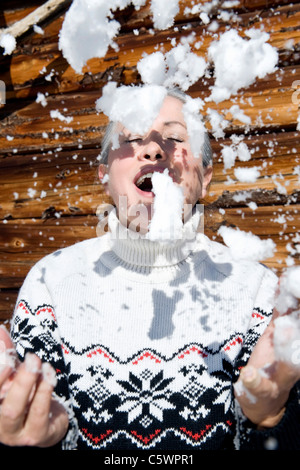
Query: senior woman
(146, 337)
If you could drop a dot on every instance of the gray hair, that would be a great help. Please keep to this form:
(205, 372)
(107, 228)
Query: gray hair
(175, 93)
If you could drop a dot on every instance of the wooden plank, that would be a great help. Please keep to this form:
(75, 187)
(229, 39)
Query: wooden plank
(24, 242)
(7, 303)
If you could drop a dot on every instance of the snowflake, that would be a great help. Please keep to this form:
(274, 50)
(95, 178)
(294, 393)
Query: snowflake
(145, 395)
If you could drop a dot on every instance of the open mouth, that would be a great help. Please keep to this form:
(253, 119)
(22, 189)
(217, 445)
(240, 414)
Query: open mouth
(144, 183)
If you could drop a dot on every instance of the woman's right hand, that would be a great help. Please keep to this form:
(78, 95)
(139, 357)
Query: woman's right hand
(29, 416)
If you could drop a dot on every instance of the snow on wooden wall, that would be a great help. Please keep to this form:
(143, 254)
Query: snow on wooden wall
(49, 191)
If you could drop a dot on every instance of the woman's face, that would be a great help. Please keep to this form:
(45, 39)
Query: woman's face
(165, 146)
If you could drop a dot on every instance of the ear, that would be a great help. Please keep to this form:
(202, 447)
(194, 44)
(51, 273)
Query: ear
(103, 176)
(207, 176)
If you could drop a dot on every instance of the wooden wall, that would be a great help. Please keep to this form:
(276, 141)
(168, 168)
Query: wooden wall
(49, 191)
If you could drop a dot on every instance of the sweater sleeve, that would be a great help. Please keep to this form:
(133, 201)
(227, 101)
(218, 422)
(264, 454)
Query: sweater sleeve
(34, 329)
(286, 434)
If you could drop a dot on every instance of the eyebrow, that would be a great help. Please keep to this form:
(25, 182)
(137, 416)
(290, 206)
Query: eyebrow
(170, 123)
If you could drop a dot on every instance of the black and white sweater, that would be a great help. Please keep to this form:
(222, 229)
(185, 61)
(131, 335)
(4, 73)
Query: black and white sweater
(147, 340)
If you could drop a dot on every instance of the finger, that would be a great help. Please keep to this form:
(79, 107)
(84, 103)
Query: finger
(7, 350)
(14, 405)
(259, 397)
(254, 381)
(38, 414)
(7, 364)
(5, 337)
(58, 426)
(47, 420)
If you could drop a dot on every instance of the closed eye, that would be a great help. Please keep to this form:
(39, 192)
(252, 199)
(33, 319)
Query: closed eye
(133, 139)
(175, 139)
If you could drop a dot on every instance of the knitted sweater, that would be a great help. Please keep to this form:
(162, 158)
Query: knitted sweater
(147, 340)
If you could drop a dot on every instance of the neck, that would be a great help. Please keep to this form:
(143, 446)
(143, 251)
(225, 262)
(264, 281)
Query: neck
(136, 249)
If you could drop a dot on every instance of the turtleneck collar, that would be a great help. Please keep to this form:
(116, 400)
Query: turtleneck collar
(136, 249)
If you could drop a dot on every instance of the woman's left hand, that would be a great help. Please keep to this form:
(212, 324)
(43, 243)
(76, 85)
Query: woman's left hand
(264, 385)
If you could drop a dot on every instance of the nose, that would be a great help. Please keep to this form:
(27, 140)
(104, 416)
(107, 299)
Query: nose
(153, 151)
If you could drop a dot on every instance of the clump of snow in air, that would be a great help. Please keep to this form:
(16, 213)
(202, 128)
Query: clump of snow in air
(247, 175)
(166, 223)
(238, 61)
(41, 98)
(56, 114)
(164, 12)
(218, 123)
(237, 149)
(8, 43)
(179, 67)
(89, 27)
(289, 290)
(135, 107)
(87, 32)
(246, 245)
(195, 126)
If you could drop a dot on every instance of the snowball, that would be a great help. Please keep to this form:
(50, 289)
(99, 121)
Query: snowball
(228, 154)
(242, 196)
(247, 175)
(135, 107)
(231, 152)
(178, 67)
(166, 223)
(8, 42)
(87, 31)
(238, 62)
(56, 114)
(38, 30)
(204, 18)
(184, 67)
(31, 192)
(89, 28)
(164, 12)
(243, 152)
(152, 68)
(41, 98)
(289, 290)
(246, 245)
(239, 114)
(218, 123)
